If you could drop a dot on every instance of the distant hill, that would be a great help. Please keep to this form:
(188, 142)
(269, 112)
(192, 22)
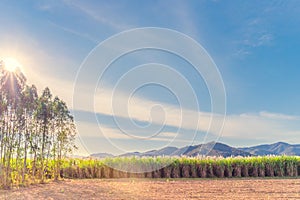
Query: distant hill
(131, 154)
(210, 149)
(279, 148)
(167, 151)
(219, 149)
(215, 149)
(101, 155)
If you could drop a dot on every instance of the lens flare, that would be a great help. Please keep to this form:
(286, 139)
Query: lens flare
(11, 64)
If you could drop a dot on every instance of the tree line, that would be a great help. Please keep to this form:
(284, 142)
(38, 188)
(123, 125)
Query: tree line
(36, 131)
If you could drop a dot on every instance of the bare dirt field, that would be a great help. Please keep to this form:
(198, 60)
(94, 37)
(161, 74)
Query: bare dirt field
(160, 189)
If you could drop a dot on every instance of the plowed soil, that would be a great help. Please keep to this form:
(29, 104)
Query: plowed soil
(160, 189)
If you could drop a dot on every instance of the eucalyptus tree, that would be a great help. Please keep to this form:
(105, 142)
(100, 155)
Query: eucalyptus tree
(44, 117)
(11, 87)
(29, 104)
(33, 129)
(65, 132)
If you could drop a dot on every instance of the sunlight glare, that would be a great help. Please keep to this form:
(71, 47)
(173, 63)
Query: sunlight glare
(11, 64)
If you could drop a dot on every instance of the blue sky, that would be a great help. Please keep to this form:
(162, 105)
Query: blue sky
(255, 45)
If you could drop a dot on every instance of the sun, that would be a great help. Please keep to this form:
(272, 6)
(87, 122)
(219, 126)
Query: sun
(11, 64)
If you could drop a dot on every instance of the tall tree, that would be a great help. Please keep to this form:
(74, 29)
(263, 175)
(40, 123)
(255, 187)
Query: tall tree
(33, 130)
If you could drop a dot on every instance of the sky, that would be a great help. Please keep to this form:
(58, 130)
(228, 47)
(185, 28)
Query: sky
(253, 44)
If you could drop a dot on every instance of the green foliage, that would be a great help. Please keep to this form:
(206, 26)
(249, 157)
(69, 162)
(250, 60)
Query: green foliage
(178, 167)
(209, 166)
(36, 132)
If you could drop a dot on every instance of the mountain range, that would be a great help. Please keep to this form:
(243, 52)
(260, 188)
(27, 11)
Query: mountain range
(279, 148)
(215, 149)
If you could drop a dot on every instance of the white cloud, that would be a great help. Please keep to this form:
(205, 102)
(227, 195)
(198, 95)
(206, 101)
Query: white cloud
(92, 138)
(77, 33)
(254, 33)
(264, 125)
(278, 116)
(97, 13)
(265, 39)
(257, 39)
(122, 105)
(241, 53)
(185, 18)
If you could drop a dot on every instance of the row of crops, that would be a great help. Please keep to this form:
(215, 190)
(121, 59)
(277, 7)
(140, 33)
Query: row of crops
(183, 167)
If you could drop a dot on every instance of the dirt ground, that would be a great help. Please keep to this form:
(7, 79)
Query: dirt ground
(160, 189)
